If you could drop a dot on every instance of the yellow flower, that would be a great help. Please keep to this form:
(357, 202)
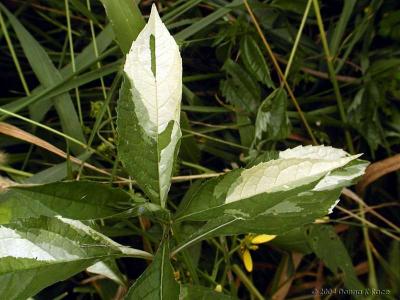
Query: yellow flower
(251, 242)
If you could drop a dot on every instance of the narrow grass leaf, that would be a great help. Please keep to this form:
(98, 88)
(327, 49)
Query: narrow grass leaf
(126, 20)
(48, 75)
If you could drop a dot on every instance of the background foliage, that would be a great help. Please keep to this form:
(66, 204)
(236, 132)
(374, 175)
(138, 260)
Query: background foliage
(61, 69)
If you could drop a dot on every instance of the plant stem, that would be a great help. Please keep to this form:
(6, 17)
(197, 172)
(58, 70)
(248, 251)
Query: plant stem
(67, 137)
(15, 171)
(332, 75)
(71, 49)
(247, 282)
(14, 56)
(297, 40)
(280, 73)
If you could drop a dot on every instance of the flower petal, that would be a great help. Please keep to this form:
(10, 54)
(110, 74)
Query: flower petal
(248, 262)
(262, 238)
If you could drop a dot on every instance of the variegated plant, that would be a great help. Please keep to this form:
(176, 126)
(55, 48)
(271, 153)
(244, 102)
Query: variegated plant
(48, 232)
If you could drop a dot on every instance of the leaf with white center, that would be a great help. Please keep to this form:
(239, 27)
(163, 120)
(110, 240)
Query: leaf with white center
(35, 253)
(274, 207)
(320, 152)
(157, 282)
(247, 191)
(280, 175)
(149, 109)
(77, 200)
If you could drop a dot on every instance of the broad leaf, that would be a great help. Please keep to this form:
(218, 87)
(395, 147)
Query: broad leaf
(240, 89)
(35, 253)
(296, 171)
(149, 109)
(189, 150)
(272, 197)
(327, 246)
(157, 282)
(272, 118)
(293, 240)
(364, 114)
(246, 132)
(189, 292)
(78, 200)
(254, 60)
(276, 215)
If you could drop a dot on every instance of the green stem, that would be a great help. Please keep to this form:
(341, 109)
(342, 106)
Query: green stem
(67, 137)
(247, 282)
(71, 49)
(14, 56)
(372, 273)
(332, 75)
(298, 37)
(14, 171)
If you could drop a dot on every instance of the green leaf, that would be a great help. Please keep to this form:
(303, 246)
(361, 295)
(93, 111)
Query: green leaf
(189, 292)
(327, 246)
(149, 109)
(293, 240)
(240, 89)
(340, 27)
(296, 6)
(39, 100)
(246, 132)
(266, 182)
(303, 184)
(272, 118)
(364, 114)
(157, 282)
(189, 150)
(266, 215)
(254, 60)
(77, 200)
(36, 253)
(56, 172)
(48, 75)
(126, 20)
(206, 21)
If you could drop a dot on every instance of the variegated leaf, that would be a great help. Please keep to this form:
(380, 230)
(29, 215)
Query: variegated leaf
(274, 197)
(149, 109)
(35, 253)
(247, 191)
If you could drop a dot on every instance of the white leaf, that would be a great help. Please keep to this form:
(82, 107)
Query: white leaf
(158, 97)
(315, 152)
(106, 270)
(295, 167)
